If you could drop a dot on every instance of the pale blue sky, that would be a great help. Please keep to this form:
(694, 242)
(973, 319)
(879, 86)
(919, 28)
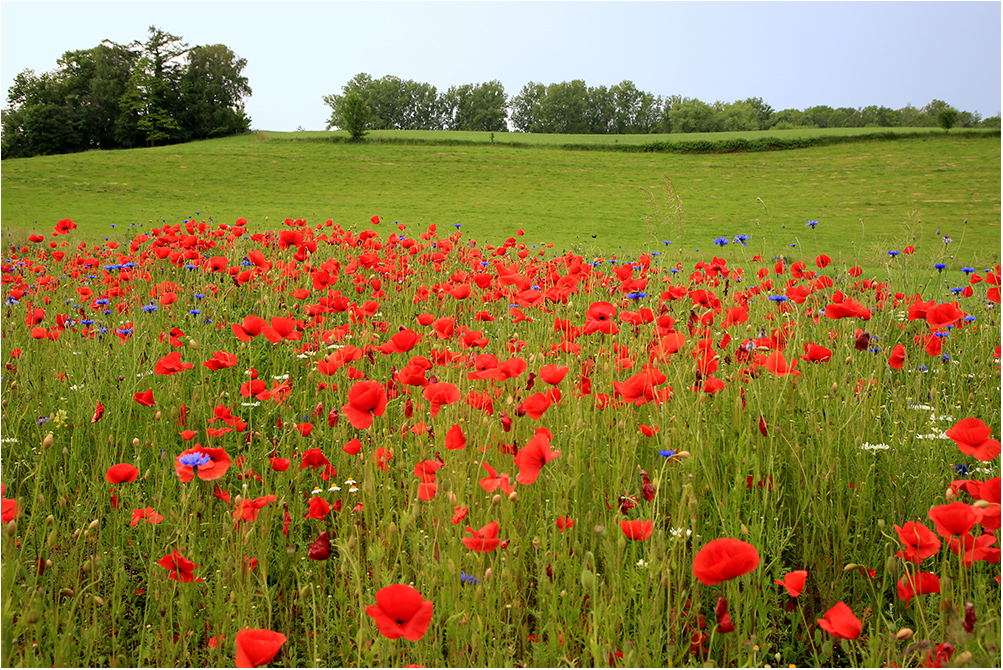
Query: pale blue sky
(791, 54)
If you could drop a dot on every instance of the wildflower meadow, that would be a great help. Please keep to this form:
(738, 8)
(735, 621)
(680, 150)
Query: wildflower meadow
(378, 443)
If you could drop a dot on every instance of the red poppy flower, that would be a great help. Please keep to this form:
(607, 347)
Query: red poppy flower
(402, 341)
(494, 481)
(248, 509)
(455, 439)
(956, 518)
(221, 360)
(724, 623)
(145, 398)
(146, 513)
(794, 582)
(280, 464)
(400, 611)
(943, 315)
(914, 585)
(972, 438)
(181, 568)
(9, 507)
(815, 353)
(382, 457)
(352, 447)
(439, 394)
(320, 549)
(98, 413)
(281, 328)
(723, 559)
(920, 542)
(532, 457)
(565, 523)
(318, 508)
(367, 399)
(897, 358)
(313, 458)
(459, 514)
(483, 540)
(215, 467)
(257, 646)
(553, 374)
(600, 319)
(840, 622)
(778, 365)
(171, 364)
(637, 529)
(427, 491)
(121, 473)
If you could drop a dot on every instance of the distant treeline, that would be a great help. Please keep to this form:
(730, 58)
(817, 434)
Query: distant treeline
(573, 107)
(118, 97)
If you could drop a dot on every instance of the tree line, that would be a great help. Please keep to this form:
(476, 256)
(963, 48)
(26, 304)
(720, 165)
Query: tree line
(114, 96)
(390, 102)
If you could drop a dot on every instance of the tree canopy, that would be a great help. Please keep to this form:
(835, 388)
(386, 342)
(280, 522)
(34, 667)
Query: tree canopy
(111, 96)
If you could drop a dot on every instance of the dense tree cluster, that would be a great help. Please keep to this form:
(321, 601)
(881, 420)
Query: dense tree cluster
(574, 107)
(116, 97)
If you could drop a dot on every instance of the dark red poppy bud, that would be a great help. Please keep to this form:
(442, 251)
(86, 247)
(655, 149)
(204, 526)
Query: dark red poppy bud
(968, 625)
(550, 571)
(319, 410)
(40, 564)
(332, 417)
(520, 410)
(320, 550)
(504, 544)
(506, 422)
(408, 408)
(626, 503)
(724, 624)
(647, 490)
(862, 340)
(762, 425)
(530, 381)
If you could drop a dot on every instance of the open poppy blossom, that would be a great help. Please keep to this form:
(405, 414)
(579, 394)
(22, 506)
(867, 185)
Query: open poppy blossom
(181, 569)
(121, 473)
(257, 646)
(914, 585)
(920, 542)
(208, 463)
(145, 398)
(148, 514)
(972, 438)
(401, 611)
(637, 529)
(439, 394)
(248, 509)
(840, 622)
(532, 457)
(483, 540)
(10, 509)
(366, 400)
(724, 559)
(954, 519)
(794, 582)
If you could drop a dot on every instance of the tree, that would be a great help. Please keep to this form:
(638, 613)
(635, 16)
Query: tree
(477, 107)
(947, 118)
(351, 113)
(212, 93)
(526, 107)
(694, 116)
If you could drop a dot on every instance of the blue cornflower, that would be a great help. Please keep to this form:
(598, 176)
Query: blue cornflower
(667, 453)
(194, 460)
(637, 295)
(199, 296)
(778, 298)
(967, 270)
(43, 419)
(945, 358)
(655, 253)
(811, 224)
(940, 267)
(947, 239)
(961, 469)
(741, 239)
(893, 254)
(468, 579)
(149, 308)
(189, 266)
(720, 241)
(957, 290)
(969, 318)
(195, 312)
(666, 242)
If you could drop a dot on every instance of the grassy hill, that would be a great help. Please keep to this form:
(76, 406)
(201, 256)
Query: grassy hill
(869, 195)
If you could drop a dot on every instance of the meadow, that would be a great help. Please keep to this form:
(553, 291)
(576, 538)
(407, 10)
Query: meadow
(418, 415)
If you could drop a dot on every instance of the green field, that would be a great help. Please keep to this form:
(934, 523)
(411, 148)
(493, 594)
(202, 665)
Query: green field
(867, 196)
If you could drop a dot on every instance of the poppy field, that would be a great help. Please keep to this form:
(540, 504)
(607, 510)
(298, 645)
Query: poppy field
(381, 444)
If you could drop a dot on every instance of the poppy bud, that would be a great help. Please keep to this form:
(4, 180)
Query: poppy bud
(11, 529)
(621, 544)
(452, 498)
(891, 565)
(513, 496)
(50, 519)
(981, 503)
(135, 441)
(487, 574)
(392, 529)
(352, 544)
(949, 494)
(51, 541)
(969, 624)
(744, 530)
(99, 601)
(47, 441)
(193, 344)
(305, 591)
(962, 659)
(67, 592)
(158, 416)
(66, 451)
(588, 580)
(32, 617)
(94, 525)
(601, 531)
(496, 500)
(904, 634)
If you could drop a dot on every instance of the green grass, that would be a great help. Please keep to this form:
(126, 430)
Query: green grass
(878, 195)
